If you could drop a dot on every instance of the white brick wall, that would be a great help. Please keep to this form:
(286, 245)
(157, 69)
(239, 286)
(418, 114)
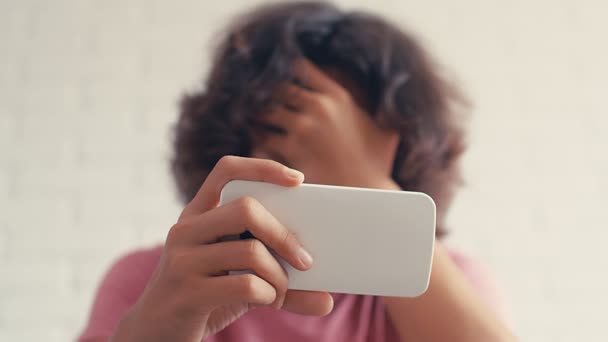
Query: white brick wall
(88, 92)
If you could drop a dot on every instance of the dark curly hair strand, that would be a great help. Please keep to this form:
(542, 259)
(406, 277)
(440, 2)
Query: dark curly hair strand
(405, 90)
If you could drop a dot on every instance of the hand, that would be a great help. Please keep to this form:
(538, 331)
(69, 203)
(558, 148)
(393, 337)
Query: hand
(324, 132)
(191, 295)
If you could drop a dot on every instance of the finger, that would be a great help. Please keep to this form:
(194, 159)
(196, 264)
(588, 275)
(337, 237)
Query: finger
(260, 128)
(309, 74)
(264, 151)
(291, 123)
(315, 104)
(236, 217)
(250, 254)
(295, 97)
(277, 147)
(233, 289)
(284, 146)
(308, 302)
(231, 167)
(281, 118)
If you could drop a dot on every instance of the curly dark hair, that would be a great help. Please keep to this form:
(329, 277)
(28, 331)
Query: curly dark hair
(406, 91)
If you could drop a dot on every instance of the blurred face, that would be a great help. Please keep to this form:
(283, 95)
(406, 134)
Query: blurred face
(320, 127)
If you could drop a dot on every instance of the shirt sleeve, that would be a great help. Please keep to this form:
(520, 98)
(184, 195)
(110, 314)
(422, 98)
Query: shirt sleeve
(118, 291)
(485, 284)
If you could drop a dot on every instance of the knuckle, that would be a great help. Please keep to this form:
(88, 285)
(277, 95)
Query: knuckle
(174, 260)
(248, 285)
(325, 105)
(247, 208)
(226, 163)
(272, 164)
(286, 238)
(304, 126)
(174, 267)
(175, 231)
(254, 249)
(342, 95)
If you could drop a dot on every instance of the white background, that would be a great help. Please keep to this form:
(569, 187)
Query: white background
(88, 93)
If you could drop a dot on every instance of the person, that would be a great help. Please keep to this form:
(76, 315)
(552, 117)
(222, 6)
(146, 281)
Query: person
(301, 89)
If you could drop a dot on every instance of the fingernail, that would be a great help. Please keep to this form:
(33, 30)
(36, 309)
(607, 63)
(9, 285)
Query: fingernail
(291, 173)
(304, 257)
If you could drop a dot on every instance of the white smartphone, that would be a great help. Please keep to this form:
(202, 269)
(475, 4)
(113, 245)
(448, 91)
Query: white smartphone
(363, 241)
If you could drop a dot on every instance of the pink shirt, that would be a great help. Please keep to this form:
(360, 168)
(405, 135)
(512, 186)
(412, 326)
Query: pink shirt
(354, 318)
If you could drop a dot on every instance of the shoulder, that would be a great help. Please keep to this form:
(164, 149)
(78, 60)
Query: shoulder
(118, 291)
(129, 274)
(483, 280)
(138, 263)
